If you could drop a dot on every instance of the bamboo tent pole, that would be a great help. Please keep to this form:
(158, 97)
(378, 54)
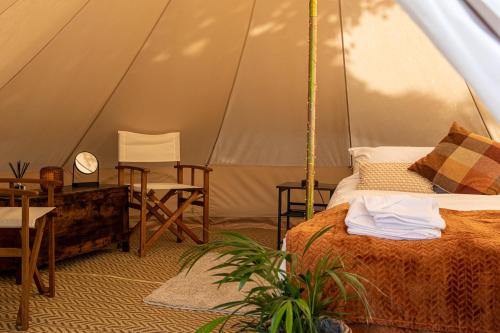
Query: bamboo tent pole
(311, 104)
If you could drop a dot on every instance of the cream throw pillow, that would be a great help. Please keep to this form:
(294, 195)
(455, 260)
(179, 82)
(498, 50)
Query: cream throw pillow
(391, 177)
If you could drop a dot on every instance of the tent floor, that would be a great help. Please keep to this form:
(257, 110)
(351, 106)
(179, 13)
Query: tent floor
(103, 292)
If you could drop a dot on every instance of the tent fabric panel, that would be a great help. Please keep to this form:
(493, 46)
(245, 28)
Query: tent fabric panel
(27, 27)
(5, 5)
(265, 123)
(404, 92)
(241, 190)
(57, 96)
(180, 81)
(250, 191)
(467, 39)
(492, 125)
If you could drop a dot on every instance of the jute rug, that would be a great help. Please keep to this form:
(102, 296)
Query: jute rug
(104, 291)
(197, 290)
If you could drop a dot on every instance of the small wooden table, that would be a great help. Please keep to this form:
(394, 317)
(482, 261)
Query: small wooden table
(86, 219)
(298, 209)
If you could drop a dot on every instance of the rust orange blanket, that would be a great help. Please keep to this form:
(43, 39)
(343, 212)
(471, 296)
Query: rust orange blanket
(451, 284)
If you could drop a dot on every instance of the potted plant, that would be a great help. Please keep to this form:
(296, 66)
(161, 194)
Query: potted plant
(279, 300)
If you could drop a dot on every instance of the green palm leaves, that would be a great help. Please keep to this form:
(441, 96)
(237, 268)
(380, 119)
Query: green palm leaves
(277, 300)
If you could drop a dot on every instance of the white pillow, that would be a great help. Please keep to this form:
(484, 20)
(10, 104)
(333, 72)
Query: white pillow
(387, 154)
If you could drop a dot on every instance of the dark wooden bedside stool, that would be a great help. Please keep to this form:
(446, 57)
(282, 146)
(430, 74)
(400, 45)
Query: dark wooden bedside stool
(295, 208)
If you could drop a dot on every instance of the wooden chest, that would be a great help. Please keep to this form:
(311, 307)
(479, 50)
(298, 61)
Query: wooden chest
(87, 219)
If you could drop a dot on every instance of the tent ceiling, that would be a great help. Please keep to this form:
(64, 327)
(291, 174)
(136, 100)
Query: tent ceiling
(180, 81)
(55, 98)
(27, 27)
(270, 94)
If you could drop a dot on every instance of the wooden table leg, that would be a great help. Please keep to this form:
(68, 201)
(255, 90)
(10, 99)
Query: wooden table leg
(278, 243)
(287, 209)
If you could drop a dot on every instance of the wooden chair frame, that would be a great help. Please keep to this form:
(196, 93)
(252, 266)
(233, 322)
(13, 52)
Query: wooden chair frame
(150, 205)
(29, 257)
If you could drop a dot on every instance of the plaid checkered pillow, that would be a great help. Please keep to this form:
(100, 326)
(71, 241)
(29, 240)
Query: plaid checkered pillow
(463, 162)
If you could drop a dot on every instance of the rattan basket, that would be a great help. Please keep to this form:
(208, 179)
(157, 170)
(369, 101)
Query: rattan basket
(52, 173)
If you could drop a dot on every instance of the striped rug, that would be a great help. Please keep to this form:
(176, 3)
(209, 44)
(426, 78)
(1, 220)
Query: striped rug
(104, 291)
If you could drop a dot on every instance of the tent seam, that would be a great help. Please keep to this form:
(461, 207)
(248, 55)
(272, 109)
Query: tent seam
(478, 109)
(348, 112)
(345, 74)
(44, 46)
(8, 7)
(132, 62)
(250, 20)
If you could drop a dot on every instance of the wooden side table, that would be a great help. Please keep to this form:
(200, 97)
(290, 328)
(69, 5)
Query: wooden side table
(298, 209)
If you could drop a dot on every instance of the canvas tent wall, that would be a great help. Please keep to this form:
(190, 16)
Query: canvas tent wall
(230, 75)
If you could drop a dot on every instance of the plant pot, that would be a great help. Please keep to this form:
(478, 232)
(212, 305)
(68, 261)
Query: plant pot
(329, 325)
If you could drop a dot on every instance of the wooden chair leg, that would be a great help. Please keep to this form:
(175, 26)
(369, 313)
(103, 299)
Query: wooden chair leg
(179, 203)
(37, 278)
(206, 205)
(205, 219)
(23, 314)
(40, 227)
(52, 257)
(162, 219)
(174, 217)
(142, 226)
(33, 255)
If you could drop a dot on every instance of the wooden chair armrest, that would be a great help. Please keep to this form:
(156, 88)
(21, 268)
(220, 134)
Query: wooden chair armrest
(16, 192)
(198, 167)
(130, 167)
(30, 181)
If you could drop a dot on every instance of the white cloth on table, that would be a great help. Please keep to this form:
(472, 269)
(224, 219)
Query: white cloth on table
(396, 217)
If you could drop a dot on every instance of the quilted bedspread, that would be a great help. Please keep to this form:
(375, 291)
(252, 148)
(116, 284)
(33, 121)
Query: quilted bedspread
(451, 284)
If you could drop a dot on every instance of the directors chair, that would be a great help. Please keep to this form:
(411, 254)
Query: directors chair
(161, 148)
(25, 218)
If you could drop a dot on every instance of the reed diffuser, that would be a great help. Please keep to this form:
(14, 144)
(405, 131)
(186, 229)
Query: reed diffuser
(19, 171)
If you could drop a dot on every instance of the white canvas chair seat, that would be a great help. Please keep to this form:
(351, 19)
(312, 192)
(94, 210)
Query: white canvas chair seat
(11, 217)
(167, 186)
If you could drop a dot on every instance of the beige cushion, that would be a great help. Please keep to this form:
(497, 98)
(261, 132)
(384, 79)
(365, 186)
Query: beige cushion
(391, 177)
(166, 186)
(11, 217)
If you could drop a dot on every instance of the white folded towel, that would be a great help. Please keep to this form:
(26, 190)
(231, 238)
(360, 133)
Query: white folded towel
(394, 217)
(404, 211)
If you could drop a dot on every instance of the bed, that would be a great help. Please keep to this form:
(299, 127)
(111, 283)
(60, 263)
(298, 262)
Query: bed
(451, 284)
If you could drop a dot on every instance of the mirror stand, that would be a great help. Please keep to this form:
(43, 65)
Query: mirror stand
(85, 164)
(84, 184)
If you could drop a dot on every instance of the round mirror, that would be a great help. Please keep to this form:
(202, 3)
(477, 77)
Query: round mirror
(86, 162)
